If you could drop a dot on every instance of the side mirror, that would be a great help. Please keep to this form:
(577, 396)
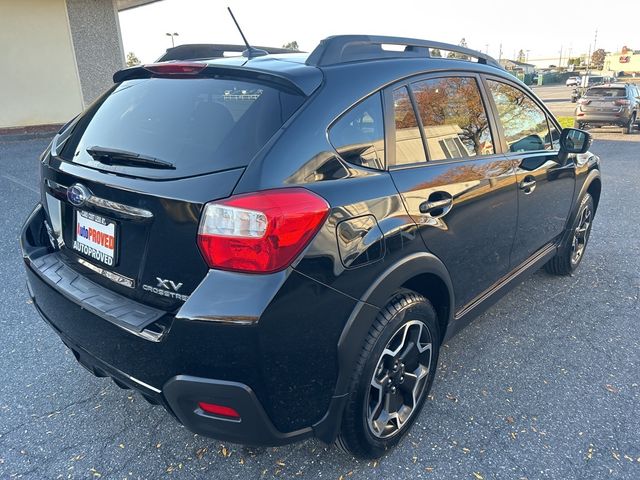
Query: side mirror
(573, 140)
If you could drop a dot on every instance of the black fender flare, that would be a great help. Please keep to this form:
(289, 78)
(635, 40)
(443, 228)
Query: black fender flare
(594, 174)
(377, 295)
(360, 321)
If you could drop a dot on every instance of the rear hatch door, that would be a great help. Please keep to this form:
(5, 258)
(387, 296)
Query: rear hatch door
(604, 100)
(126, 182)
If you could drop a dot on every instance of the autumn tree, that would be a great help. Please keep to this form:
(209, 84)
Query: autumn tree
(597, 59)
(132, 60)
(461, 56)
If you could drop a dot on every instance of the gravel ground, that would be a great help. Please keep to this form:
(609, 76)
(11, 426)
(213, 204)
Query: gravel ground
(545, 385)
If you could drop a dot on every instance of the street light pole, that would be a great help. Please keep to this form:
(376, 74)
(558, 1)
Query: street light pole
(174, 34)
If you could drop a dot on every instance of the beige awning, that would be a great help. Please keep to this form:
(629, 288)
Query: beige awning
(127, 4)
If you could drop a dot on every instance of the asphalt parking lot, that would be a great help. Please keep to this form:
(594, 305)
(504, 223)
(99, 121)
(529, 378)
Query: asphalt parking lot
(545, 385)
(557, 98)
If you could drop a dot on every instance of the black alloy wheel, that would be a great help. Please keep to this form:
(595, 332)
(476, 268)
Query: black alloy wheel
(392, 377)
(399, 379)
(581, 234)
(571, 252)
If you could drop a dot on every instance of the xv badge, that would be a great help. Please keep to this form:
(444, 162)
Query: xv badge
(165, 284)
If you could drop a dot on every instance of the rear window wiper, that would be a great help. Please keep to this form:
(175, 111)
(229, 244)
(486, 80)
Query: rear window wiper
(112, 156)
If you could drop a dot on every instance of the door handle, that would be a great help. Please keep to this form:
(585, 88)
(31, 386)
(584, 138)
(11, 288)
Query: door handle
(437, 207)
(528, 184)
(428, 207)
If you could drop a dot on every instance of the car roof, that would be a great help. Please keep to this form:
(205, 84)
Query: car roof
(352, 52)
(611, 85)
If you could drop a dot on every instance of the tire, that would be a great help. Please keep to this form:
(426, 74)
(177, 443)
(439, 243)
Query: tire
(407, 317)
(578, 125)
(628, 129)
(571, 253)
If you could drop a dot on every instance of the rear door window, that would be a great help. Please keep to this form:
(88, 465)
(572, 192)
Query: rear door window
(453, 117)
(409, 146)
(200, 125)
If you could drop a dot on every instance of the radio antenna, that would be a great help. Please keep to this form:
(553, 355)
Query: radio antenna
(250, 52)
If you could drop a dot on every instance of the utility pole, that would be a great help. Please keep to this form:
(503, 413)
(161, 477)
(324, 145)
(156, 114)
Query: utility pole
(500, 53)
(595, 40)
(527, 60)
(560, 59)
(486, 48)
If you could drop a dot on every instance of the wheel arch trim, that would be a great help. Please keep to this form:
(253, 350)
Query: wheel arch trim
(376, 297)
(362, 318)
(592, 176)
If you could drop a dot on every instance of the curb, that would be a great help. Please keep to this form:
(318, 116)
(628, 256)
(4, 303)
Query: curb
(28, 133)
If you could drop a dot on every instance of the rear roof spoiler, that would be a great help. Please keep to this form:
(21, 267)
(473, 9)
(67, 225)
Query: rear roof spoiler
(350, 48)
(199, 51)
(290, 75)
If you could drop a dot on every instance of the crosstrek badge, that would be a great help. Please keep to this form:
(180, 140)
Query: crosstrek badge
(95, 237)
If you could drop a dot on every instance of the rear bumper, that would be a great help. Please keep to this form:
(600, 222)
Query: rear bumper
(604, 118)
(280, 383)
(181, 393)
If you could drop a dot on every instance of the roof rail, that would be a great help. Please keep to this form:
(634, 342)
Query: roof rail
(350, 48)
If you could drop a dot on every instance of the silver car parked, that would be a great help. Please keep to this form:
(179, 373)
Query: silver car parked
(609, 104)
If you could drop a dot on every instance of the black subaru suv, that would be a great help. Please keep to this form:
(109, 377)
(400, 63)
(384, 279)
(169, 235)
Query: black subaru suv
(275, 247)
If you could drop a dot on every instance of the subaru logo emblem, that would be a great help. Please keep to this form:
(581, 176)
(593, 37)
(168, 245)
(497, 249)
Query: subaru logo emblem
(78, 194)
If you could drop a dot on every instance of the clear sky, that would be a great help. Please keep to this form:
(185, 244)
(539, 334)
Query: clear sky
(540, 26)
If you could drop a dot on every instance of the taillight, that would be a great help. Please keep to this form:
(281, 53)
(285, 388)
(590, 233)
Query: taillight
(176, 68)
(260, 232)
(621, 102)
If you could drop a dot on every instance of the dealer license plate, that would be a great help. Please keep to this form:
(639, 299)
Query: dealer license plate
(95, 237)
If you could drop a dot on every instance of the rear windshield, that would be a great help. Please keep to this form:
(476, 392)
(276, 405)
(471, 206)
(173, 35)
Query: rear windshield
(200, 125)
(606, 92)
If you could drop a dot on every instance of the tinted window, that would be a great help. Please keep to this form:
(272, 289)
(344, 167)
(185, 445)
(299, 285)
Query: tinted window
(525, 124)
(358, 136)
(198, 124)
(453, 116)
(409, 146)
(606, 92)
